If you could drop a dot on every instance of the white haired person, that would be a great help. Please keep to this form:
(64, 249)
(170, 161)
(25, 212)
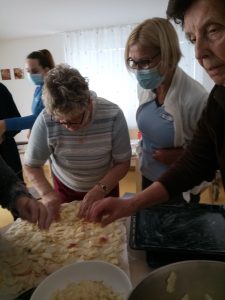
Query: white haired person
(85, 136)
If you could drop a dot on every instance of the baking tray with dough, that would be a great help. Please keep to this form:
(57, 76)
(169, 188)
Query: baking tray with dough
(28, 255)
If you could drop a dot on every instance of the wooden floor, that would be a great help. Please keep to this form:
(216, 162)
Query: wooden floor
(5, 217)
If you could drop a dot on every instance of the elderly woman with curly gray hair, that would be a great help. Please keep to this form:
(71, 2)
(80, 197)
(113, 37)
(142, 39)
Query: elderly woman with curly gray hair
(85, 137)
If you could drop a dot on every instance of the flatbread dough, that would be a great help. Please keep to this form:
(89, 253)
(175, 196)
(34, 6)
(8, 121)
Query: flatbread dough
(29, 255)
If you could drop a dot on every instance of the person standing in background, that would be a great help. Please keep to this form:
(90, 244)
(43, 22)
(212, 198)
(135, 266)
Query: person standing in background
(38, 64)
(8, 147)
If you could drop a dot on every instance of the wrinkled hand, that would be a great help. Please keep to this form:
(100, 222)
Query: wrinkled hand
(110, 209)
(92, 196)
(32, 210)
(52, 201)
(167, 156)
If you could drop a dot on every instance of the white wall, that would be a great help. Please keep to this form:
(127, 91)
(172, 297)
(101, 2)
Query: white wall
(13, 54)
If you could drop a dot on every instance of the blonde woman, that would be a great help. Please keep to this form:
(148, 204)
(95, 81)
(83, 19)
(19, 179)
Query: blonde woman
(171, 102)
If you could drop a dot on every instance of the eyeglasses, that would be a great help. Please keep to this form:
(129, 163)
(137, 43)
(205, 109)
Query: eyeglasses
(141, 64)
(57, 120)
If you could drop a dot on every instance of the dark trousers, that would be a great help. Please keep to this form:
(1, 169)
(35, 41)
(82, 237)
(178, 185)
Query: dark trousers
(178, 199)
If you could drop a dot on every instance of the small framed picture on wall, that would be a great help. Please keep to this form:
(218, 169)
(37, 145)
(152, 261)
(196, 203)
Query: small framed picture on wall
(5, 73)
(18, 73)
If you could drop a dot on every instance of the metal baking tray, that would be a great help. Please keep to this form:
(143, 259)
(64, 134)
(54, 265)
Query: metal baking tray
(179, 232)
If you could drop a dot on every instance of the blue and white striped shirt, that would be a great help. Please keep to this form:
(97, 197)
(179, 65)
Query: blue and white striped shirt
(81, 158)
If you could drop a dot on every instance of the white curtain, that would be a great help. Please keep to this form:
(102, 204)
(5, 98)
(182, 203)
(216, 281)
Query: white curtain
(99, 55)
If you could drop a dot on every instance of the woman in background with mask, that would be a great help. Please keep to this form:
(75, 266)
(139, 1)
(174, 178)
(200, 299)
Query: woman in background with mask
(38, 64)
(171, 102)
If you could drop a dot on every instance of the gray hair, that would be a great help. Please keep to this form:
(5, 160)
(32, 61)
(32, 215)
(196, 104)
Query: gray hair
(65, 90)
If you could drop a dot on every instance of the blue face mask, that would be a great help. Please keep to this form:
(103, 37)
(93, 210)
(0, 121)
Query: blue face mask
(149, 79)
(36, 79)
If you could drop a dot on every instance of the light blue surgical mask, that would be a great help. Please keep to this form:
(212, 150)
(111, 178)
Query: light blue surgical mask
(36, 79)
(149, 79)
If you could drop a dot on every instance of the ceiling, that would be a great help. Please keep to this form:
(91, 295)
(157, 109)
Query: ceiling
(30, 18)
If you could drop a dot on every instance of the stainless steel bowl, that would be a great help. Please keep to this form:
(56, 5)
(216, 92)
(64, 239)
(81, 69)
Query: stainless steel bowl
(195, 278)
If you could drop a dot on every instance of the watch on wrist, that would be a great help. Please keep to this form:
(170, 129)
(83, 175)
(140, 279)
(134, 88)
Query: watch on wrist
(102, 187)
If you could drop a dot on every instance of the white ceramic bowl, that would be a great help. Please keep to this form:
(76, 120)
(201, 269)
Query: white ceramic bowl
(90, 270)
